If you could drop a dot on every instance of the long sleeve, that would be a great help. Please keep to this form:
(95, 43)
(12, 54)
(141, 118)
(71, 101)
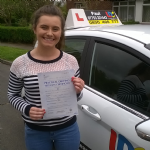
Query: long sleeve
(14, 94)
(24, 74)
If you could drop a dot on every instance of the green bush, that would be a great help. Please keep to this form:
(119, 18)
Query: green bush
(2, 20)
(130, 22)
(22, 22)
(16, 34)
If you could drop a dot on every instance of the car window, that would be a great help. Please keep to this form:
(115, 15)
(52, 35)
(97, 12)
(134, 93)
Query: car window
(121, 76)
(74, 47)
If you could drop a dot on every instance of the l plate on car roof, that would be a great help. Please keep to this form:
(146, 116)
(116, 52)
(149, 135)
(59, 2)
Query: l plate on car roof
(77, 18)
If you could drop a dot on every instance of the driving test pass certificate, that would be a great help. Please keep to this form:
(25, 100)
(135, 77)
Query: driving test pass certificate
(58, 95)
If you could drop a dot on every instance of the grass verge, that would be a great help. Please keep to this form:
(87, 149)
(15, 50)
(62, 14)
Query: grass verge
(11, 53)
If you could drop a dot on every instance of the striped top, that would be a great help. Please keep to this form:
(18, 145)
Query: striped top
(132, 91)
(23, 73)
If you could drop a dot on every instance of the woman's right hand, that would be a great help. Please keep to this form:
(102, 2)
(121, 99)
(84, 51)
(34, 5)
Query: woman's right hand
(36, 113)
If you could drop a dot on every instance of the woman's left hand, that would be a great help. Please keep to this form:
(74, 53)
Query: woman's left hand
(78, 84)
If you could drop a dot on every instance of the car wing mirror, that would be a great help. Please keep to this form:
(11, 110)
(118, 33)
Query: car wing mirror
(143, 130)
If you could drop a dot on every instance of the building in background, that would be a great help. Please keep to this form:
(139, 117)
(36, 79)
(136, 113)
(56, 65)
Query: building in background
(90, 4)
(127, 10)
(133, 10)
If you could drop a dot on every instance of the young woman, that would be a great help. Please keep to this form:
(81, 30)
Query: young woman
(48, 25)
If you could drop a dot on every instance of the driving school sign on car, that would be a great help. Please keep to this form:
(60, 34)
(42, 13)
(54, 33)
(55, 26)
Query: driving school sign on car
(101, 17)
(85, 18)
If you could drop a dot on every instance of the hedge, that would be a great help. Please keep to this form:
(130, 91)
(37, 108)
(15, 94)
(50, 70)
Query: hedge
(16, 34)
(131, 22)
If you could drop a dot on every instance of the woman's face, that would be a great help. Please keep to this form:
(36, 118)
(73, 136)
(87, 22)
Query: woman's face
(48, 31)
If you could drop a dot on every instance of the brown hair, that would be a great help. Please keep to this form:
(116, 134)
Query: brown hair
(51, 10)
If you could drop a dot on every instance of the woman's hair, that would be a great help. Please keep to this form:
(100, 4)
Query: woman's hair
(50, 10)
(139, 69)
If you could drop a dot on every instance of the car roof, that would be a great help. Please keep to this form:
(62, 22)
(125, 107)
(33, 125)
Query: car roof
(138, 32)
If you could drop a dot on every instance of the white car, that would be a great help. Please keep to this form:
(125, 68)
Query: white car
(115, 65)
(114, 62)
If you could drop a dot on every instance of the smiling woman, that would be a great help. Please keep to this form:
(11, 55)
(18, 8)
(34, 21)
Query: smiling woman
(40, 133)
(48, 33)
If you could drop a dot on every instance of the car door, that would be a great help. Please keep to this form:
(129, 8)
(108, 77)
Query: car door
(106, 120)
(77, 46)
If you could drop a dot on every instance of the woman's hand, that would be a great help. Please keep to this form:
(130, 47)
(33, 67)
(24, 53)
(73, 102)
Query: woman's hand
(78, 84)
(36, 113)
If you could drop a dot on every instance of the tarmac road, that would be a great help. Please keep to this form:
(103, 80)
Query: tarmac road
(11, 123)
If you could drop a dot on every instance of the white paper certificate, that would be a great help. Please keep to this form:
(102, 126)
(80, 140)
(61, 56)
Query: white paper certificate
(58, 95)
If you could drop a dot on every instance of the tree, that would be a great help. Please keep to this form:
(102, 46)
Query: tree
(20, 11)
(7, 8)
(29, 7)
(63, 7)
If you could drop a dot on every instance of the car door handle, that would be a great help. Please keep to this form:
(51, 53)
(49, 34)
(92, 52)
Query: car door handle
(86, 109)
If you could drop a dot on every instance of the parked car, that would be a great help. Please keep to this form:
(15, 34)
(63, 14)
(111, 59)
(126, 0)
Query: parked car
(115, 65)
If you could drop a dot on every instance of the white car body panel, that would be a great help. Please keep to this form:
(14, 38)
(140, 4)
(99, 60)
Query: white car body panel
(99, 131)
(114, 37)
(143, 126)
(96, 133)
(137, 32)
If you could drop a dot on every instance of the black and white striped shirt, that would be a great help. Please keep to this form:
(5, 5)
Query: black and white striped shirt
(23, 73)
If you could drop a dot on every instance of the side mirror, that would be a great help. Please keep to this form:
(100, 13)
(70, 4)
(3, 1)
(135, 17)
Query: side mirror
(143, 130)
